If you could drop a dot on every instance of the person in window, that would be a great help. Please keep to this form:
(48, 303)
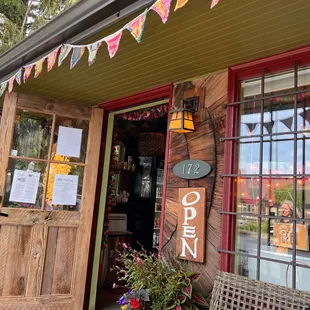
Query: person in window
(287, 211)
(283, 232)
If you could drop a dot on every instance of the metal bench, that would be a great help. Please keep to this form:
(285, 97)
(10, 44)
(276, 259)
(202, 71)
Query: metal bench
(235, 292)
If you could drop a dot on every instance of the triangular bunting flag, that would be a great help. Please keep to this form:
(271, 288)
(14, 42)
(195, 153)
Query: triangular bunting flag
(92, 52)
(113, 42)
(51, 59)
(180, 4)
(162, 8)
(77, 54)
(3, 87)
(39, 67)
(64, 52)
(136, 26)
(251, 127)
(18, 77)
(269, 126)
(11, 83)
(214, 3)
(288, 122)
(27, 72)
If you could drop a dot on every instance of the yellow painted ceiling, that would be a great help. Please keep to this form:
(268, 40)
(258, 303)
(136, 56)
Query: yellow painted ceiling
(195, 41)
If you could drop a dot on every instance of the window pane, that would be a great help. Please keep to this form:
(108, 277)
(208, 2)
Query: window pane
(68, 195)
(303, 276)
(245, 266)
(32, 132)
(275, 273)
(76, 139)
(26, 192)
(248, 156)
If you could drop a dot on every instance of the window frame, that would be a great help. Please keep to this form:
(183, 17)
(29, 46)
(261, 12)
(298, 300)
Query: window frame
(236, 74)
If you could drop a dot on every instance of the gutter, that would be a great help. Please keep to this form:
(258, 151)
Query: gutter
(74, 25)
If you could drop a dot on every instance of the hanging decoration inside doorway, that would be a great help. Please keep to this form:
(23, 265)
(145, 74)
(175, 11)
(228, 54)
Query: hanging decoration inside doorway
(135, 27)
(146, 114)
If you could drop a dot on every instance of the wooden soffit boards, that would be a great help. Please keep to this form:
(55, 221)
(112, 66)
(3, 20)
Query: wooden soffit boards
(195, 41)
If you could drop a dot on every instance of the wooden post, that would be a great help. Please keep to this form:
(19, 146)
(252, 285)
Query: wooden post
(7, 124)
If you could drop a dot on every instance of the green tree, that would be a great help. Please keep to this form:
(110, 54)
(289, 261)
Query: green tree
(19, 18)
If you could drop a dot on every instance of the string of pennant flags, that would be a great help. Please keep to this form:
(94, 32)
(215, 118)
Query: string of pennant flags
(135, 27)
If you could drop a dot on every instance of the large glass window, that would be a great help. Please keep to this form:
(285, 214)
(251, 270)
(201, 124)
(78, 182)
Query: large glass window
(272, 181)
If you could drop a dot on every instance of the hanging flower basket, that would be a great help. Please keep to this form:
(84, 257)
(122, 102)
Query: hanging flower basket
(152, 144)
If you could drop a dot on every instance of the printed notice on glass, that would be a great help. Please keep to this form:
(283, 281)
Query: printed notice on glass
(69, 142)
(25, 186)
(65, 189)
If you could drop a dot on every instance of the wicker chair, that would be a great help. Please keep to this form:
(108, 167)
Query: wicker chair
(236, 292)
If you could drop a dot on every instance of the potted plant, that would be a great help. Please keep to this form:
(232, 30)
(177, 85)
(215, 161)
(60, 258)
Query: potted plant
(156, 282)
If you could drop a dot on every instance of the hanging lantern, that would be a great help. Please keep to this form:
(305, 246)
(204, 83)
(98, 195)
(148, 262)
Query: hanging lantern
(182, 120)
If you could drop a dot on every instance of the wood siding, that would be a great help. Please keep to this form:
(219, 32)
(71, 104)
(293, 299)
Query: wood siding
(204, 144)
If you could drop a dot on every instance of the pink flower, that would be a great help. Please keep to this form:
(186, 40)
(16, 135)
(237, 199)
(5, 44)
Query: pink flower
(125, 245)
(139, 260)
(115, 285)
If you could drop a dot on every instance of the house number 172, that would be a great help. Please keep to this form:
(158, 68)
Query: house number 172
(191, 169)
(187, 168)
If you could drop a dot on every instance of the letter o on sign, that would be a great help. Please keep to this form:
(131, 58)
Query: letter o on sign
(186, 203)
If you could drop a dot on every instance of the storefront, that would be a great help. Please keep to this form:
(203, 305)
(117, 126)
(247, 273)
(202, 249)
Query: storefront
(79, 178)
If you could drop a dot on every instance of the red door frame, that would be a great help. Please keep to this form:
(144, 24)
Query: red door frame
(148, 96)
(273, 64)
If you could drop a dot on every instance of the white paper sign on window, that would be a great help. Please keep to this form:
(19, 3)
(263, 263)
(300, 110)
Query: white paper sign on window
(65, 189)
(69, 141)
(25, 186)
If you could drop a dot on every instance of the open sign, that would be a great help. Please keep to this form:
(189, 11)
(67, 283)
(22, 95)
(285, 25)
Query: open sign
(191, 237)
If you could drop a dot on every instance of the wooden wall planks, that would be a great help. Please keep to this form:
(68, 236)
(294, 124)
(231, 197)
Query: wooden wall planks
(202, 144)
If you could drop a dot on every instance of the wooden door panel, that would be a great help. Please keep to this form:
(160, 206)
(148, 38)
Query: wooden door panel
(43, 254)
(15, 244)
(59, 260)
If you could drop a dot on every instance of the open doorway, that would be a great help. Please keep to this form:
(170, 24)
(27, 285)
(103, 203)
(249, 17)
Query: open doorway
(132, 189)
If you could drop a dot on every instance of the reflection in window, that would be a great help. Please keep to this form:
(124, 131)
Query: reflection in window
(32, 133)
(273, 189)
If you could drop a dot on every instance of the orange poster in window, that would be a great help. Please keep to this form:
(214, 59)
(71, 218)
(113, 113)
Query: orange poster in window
(283, 235)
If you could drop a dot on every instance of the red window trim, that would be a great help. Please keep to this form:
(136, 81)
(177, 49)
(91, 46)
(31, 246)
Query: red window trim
(154, 94)
(248, 70)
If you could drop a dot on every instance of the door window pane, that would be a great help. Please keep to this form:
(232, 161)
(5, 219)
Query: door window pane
(81, 128)
(32, 133)
(69, 181)
(26, 192)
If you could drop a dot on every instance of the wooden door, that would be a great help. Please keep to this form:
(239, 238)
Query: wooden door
(43, 243)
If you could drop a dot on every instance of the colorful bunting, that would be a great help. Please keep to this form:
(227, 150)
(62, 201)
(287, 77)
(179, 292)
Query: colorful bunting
(113, 42)
(18, 77)
(27, 72)
(180, 4)
(51, 59)
(3, 87)
(92, 52)
(38, 67)
(77, 54)
(214, 3)
(11, 83)
(64, 52)
(136, 26)
(162, 8)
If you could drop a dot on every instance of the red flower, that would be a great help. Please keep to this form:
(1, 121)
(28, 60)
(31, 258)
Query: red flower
(134, 303)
